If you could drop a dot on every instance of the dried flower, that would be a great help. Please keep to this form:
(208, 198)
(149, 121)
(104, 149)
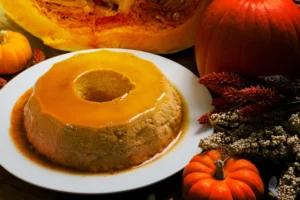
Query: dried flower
(38, 56)
(294, 123)
(223, 79)
(266, 95)
(237, 98)
(294, 143)
(204, 119)
(255, 109)
(2, 83)
(230, 119)
(289, 184)
(252, 101)
(280, 84)
(217, 82)
(229, 99)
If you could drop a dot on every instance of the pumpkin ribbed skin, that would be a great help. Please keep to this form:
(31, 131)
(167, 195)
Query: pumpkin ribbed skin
(84, 24)
(15, 52)
(250, 37)
(242, 179)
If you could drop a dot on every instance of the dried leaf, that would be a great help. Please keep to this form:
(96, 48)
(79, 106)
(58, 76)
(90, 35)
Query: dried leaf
(38, 56)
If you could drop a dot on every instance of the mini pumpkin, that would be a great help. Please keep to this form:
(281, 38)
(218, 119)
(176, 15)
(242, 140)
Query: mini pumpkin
(15, 52)
(207, 176)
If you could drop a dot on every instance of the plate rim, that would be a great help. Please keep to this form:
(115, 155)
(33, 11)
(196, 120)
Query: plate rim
(47, 65)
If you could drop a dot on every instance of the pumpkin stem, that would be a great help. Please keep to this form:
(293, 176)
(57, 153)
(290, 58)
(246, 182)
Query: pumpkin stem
(3, 37)
(220, 174)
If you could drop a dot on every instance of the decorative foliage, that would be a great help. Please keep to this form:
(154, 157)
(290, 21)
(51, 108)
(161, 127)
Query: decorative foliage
(289, 184)
(38, 56)
(251, 97)
(261, 119)
(223, 79)
(2, 82)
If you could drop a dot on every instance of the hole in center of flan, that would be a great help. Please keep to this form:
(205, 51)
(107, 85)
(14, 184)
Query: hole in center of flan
(102, 85)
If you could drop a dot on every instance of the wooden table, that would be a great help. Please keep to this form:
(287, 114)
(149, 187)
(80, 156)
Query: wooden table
(12, 188)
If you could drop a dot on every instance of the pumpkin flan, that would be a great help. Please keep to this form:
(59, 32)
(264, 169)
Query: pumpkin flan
(102, 111)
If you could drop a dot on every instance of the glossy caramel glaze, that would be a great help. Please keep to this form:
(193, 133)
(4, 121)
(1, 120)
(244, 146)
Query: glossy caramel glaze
(56, 94)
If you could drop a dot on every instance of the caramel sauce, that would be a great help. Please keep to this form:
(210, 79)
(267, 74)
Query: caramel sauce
(57, 96)
(18, 135)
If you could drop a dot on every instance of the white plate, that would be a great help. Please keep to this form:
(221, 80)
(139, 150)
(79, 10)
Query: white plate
(198, 101)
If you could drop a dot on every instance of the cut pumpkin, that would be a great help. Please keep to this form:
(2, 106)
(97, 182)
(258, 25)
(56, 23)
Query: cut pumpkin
(157, 26)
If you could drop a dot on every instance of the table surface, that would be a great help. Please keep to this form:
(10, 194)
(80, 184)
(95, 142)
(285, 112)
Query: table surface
(12, 188)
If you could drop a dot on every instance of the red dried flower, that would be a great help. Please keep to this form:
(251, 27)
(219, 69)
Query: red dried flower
(232, 97)
(254, 110)
(2, 83)
(223, 79)
(257, 94)
(218, 82)
(204, 119)
(220, 104)
(251, 101)
(38, 56)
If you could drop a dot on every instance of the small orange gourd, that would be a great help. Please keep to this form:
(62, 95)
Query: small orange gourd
(15, 52)
(207, 176)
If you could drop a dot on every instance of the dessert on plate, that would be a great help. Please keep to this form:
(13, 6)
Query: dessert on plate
(102, 111)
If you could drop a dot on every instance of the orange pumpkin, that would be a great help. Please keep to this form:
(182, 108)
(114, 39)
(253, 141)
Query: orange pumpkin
(254, 37)
(15, 52)
(208, 177)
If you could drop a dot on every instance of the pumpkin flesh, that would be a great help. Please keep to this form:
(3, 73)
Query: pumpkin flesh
(157, 26)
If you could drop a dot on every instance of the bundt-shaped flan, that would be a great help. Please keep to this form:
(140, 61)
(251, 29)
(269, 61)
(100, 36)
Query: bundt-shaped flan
(102, 111)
